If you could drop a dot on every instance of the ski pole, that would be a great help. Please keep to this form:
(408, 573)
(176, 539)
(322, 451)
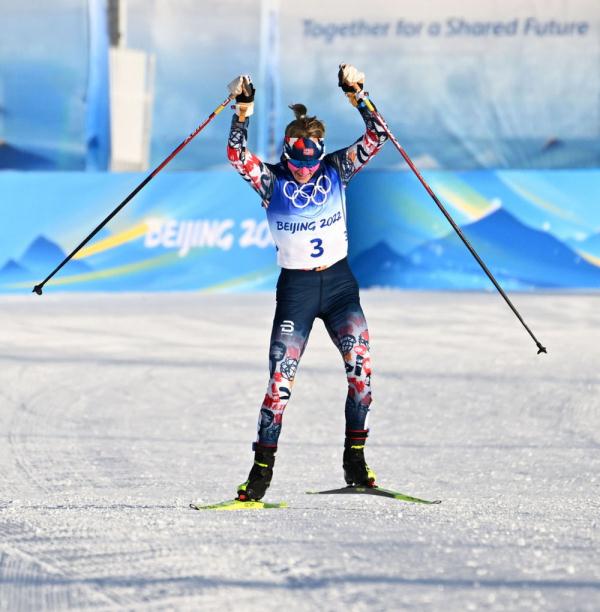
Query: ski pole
(38, 288)
(380, 119)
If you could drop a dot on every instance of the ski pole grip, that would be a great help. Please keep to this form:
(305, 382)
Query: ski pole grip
(364, 98)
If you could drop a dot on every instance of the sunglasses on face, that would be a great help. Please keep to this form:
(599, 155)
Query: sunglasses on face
(296, 165)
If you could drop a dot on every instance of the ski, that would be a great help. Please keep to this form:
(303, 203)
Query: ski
(375, 491)
(236, 504)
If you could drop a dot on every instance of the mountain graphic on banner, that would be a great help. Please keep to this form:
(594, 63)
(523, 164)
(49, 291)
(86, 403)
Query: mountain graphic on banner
(380, 266)
(510, 249)
(42, 255)
(12, 270)
(40, 258)
(518, 256)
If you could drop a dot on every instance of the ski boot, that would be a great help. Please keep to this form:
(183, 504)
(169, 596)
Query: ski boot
(260, 475)
(356, 470)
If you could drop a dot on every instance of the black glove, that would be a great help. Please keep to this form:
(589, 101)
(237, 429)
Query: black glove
(249, 97)
(346, 88)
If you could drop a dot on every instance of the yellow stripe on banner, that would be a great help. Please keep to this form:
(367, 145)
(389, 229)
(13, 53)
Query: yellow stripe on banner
(554, 209)
(162, 260)
(113, 241)
(473, 206)
(595, 261)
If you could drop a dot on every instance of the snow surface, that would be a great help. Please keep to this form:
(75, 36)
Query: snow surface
(118, 410)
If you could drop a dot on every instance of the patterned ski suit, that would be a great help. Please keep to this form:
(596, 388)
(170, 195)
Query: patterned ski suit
(308, 225)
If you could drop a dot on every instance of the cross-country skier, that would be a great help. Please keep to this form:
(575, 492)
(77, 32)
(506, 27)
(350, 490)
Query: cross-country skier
(304, 198)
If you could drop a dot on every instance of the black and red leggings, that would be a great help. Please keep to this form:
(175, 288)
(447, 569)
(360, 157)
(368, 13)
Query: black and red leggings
(302, 297)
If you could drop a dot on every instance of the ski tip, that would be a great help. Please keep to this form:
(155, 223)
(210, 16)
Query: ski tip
(417, 500)
(379, 491)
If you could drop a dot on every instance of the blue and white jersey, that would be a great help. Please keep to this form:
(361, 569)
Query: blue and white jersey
(308, 222)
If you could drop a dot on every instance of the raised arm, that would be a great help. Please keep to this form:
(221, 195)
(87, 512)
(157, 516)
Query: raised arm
(353, 158)
(251, 168)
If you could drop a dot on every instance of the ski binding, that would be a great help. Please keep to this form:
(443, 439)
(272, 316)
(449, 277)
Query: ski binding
(236, 504)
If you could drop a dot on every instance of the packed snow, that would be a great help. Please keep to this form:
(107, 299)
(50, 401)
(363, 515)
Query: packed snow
(118, 410)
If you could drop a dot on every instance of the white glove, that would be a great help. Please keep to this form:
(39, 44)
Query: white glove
(349, 75)
(241, 85)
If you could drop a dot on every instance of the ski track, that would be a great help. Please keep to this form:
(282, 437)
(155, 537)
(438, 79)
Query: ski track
(117, 410)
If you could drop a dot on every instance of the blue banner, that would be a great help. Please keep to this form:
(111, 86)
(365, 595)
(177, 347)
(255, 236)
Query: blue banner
(184, 231)
(533, 229)
(207, 231)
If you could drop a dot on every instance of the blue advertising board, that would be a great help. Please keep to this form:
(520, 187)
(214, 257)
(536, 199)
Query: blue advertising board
(534, 229)
(207, 231)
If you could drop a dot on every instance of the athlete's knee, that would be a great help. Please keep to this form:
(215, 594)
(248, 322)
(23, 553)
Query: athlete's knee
(358, 364)
(278, 392)
(284, 356)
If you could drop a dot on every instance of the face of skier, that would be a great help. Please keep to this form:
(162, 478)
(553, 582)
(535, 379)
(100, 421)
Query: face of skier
(302, 174)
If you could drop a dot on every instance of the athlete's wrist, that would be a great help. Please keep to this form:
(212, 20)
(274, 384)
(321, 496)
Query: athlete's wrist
(243, 110)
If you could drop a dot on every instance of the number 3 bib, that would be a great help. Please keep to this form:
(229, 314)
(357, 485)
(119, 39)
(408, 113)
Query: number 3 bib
(308, 222)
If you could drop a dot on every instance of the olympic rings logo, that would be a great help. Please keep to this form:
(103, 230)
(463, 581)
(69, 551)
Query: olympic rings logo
(310, 193)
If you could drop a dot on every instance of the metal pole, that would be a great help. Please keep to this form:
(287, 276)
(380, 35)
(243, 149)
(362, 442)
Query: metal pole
(380, 119)
(38, 288)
